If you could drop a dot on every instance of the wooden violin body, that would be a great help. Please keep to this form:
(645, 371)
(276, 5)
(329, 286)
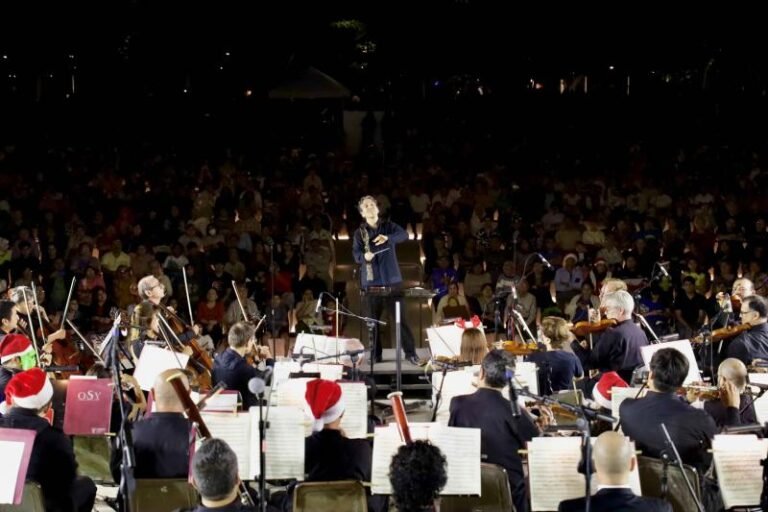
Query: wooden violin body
(520, 348)
(723, 333)
(581, 329)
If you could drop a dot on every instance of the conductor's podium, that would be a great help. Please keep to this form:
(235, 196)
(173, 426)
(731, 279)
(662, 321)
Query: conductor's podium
(31, 501)
(345, 495)
(162, 495)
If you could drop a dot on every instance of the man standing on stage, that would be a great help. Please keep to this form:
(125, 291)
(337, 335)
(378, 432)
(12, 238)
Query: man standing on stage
(374, 249)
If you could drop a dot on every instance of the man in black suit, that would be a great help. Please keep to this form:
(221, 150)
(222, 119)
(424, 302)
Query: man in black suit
(690, 429)
(614, 459)
(502, 434)
(752, 344)
(231, 367)
(734, 407)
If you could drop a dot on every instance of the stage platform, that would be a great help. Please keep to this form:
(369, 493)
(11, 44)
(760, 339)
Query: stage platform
(416, 383)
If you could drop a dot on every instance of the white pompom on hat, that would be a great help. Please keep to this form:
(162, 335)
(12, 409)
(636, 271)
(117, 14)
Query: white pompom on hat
(323, 402)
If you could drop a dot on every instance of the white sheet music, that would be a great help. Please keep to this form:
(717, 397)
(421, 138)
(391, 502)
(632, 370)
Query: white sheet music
(282, 372)
(553, 472)
(285, 443)
(226, 401)
(457, 382)
(526, 375)
(354, 423)
(739, 473)
(445, 341)
(235, 429)
(684, 347)
(11, 453)
(327, 371)
(153, 361)
(461, 447)
(761, 404)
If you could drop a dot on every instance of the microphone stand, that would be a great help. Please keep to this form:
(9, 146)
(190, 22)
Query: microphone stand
(648, 327)
(665, 456)
(439, 394)
(125, 439)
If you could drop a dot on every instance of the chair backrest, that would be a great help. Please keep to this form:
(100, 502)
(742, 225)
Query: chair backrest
(344, 495)
(161, 495)
(496, 496)
(651, 471)
(31, 501)
(92, 454)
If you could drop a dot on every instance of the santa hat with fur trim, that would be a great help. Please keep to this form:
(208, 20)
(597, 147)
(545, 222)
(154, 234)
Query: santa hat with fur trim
(323, 402)
(30, 389)
(602, 390)
(14, 345)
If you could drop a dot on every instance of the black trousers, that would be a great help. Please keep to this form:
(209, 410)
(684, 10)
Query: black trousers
(376, 305)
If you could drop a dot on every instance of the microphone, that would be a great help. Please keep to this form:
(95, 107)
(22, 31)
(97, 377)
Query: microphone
(257, 386)
(510, 372)
(662, 269)
(319, 304)
(544, 260)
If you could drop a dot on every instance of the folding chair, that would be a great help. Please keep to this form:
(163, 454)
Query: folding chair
(92, 454)
(162, 495)
(495, 494)
(341, 496)
(651, 471)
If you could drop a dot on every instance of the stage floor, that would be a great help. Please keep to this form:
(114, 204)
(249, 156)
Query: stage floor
(388, 365)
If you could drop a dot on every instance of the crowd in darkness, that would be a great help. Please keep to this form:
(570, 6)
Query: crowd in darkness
(108, 218)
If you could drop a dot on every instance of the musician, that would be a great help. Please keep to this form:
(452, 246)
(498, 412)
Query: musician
(145, 327)
(160, 441)
(618, 348)
(9, 318)
(150, 288)
(27, 308)
(743, 288)
(691, 429)
(417, 474)
(214, 475)
(558, 367)
(611, 285)
(474, 346)
(373, 248)
(502, 435)
(614, 460)
(734, 407)
(231, 366)
(16, 354)
(751, 344)
(52, 463)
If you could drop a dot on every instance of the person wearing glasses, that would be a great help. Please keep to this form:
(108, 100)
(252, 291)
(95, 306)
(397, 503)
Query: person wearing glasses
(753, 343)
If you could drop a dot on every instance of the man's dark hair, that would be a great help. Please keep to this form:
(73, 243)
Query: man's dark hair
(417, 474)
(495, 365)
(214, 468)
(689, 279)
(670, 368)
(757, 304)
(6, 309)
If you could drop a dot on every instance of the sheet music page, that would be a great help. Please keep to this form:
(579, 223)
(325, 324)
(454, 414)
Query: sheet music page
(386, 441)
(235, 429)
(553, 472)
(153, 361)
(526, 375)
(355, 419)
(684, 347)
(226, 401)
(761, 404)
(445, 340)
(282, 371)
(618, 395)
(327, 371)
(12, 453)
(285, 443)
(461, 447)
(457, 382)
(739, 473)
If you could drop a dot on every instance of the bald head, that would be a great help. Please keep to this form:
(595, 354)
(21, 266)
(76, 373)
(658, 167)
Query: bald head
(734, 371)
(614, 458)
(164, 395)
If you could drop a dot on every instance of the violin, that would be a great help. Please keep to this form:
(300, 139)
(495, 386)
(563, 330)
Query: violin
(724, 333)
(200, 359)
(581, 329)
(520, 348)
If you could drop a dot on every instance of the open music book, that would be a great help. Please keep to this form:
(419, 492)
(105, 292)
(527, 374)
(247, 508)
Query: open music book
(553, 472)
(445, 341)
(285, 441)
(154, 361)
(16, 449)
(684, 347)
(739, 473)
(461, 447)
(354, 423)
(761, 404)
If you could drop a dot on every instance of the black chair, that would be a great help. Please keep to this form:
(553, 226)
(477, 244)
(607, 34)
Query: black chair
(341, 496)
(651, 472)
(162, 495)
(495, 494)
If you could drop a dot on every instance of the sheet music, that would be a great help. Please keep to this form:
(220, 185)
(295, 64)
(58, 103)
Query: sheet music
(355, 419)
(321, 346)
(445, 340)
(153, 361)
(684, 347)
(327, 371)
(235, 429)
(553, 472)
(461, 447)
(12, 453)
(761, 404)
(457, 383)
(282, 371)
(618, 395)
(526, 375)
(285, 443)
(226, 401)
(739, 473)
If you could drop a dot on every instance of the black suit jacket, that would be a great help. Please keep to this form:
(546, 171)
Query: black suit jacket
(231, 368)
(618, 349)
(691, 429)
(613, 500)
(501, 435)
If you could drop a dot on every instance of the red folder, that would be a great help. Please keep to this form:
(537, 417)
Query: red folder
(17, 435)
(89, 407)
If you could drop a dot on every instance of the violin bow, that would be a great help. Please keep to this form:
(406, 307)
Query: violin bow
(239, 301)
(31, 325)
(37, 309)
(186, 291)
(66, 306)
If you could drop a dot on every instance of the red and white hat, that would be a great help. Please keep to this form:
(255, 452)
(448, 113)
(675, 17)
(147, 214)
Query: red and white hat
(323, 402)
(14, 345)
(602, 390)
(29, 389)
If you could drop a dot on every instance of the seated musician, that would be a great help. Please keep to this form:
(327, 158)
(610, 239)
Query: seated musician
(52, 463)
(691, 429)
(558, 367)
(145, 326)
(9, 318)
(733, 407)
(502, 435)
(614, 460)
(214, 475)
(474, 346)
(751, 344)
(16, 354)
(160, 441)
(417, 474)
(231, 367)
(24, 299)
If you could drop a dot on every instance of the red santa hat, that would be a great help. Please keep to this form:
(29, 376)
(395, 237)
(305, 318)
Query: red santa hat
(30, 389)
(323, 402)
(602, 390)
(14, 345)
